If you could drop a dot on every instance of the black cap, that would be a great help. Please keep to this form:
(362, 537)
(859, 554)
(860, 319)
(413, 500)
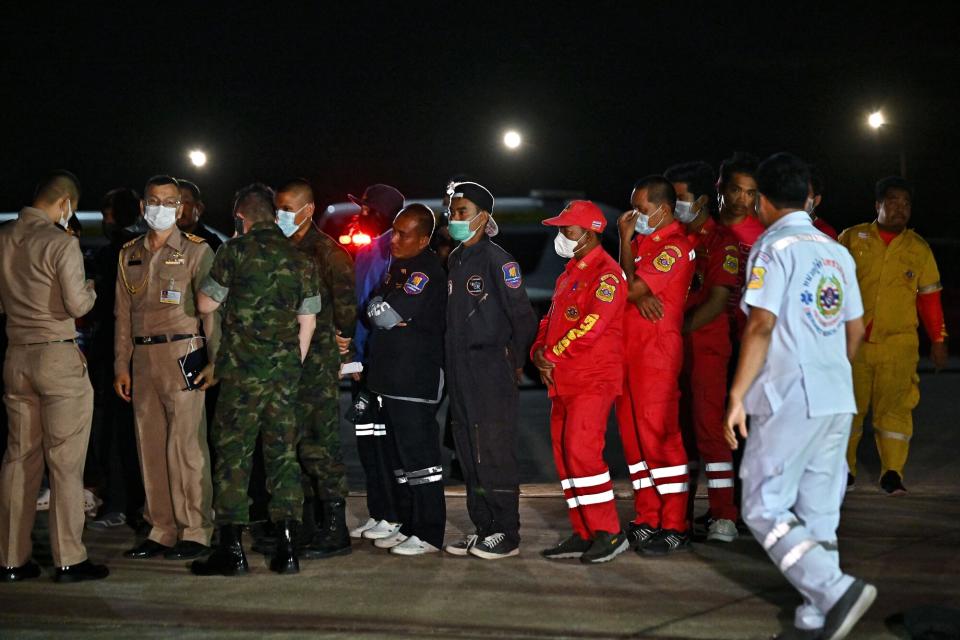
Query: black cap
(475, 193)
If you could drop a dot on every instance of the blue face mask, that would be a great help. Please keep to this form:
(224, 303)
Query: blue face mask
(287, 221)
(643, 222)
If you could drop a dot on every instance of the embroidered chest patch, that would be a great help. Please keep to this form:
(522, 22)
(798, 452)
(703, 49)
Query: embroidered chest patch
(572, 314)
(475, 285)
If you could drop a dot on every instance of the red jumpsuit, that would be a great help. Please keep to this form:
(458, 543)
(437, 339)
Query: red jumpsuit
(706, 353)
(746, 231)
(583, 335)
(647, 412)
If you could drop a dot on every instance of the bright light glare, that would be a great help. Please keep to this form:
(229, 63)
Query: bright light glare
(512, 139)
(876, 120)
(198, 158)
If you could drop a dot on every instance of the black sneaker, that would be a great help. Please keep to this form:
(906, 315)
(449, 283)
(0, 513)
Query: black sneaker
(640, 535)
(667, 541)
(573, 547)
(848, 610)
(892, 483)
(494, 547)
(605, 547)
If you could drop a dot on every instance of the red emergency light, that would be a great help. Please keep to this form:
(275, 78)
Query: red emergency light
(357, 239)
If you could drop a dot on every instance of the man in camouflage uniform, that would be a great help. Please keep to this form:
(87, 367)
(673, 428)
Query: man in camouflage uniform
(269, 292)
(324, 473)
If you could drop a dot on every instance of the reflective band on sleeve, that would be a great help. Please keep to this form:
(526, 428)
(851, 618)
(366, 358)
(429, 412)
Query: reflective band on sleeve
(640, 466)
(588, 481)
(672, 487)
(719, 483)
(643, 483)
(666, 472)
(719, 466)
(778, 531)
(892, 435)
(594, 498)
(413, 482)
(793, 556)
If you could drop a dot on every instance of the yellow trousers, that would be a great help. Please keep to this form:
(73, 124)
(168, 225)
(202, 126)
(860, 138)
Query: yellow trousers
(885, 383)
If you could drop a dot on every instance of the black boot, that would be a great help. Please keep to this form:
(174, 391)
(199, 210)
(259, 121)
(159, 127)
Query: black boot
(331, 538)
(285, 557)
(227, 558)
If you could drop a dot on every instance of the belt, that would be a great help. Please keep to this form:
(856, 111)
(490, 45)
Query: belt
(33, 344)
(162, 338)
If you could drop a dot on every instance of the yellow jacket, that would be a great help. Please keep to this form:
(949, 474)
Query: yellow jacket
(890, 279)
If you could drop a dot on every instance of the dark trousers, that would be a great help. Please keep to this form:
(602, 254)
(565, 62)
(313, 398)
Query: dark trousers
(375, 457)
(415, 461)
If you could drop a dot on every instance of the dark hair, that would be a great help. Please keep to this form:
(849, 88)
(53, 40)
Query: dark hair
(892, 182)
(256, 202)
(698, 176)
(785, 180)
(125, 204)
(739, 162)
(191, 187)
(817, 184)
(422, 215)
(297, 184)
(57, 184)
(659, 190)
(159, 180)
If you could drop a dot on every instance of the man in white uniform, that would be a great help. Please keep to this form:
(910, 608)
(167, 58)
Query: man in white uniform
(794, 380)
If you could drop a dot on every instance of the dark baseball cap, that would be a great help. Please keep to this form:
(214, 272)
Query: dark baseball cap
(382, 198)
(478, 195)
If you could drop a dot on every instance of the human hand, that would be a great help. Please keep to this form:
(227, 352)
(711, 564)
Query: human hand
(650, 307)
(544, 366)
(343, 344)
(206, 377)
(123, 386)
(627, 222)
(735, 419)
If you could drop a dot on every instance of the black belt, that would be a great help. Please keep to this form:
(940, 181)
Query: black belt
(161, 339)
(33, 344)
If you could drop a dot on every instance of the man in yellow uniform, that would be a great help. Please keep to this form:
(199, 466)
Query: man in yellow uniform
(899, 280)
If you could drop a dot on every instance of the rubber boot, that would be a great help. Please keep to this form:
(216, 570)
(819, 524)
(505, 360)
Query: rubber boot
(227, 558)
(332, 537)
(285, 557)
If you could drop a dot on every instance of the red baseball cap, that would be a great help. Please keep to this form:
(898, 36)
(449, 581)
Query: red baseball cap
(581, 213)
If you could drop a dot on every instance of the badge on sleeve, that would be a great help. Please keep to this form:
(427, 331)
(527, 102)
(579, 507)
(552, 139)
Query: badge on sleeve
(756, 278)
(664, 262)
(475, 285)
(416, 282)
(572, 314)
(511, 275)
(731, 264)
(608, 287)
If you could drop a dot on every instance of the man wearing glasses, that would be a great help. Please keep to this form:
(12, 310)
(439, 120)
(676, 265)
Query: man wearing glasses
(158, 323)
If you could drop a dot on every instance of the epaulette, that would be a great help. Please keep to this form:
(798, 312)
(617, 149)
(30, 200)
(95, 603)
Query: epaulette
(130, 243)
(193, 238)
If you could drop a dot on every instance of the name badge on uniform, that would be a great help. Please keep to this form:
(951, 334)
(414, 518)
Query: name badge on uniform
(170, 295)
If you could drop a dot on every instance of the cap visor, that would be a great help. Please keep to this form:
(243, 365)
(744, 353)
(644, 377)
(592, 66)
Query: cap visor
(354, 199)
(555, 221)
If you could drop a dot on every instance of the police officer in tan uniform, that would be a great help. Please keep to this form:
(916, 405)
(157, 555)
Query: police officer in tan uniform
(47, 390)
(157, 324)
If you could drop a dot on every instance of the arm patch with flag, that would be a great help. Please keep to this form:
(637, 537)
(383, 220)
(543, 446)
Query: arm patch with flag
(511, 275)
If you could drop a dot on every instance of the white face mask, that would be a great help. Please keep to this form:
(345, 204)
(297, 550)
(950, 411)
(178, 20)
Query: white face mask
(287, 221)
(684, 212)
(809, 205)
(564, 246)
(65, 218)
(159, 217)
(643, 222)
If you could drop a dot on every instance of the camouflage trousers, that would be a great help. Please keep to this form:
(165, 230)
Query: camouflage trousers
(318, 414)
(248, 406)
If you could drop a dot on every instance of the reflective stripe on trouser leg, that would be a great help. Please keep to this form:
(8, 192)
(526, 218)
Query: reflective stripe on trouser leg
(425, 476)
(577, 430)
(400, 476)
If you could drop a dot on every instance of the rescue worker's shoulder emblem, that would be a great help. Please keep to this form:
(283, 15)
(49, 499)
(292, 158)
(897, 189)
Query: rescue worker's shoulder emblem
(511, 275)
(475, 285)
(664, 262)
(416, 282)
(572, 314)
(608, 287)
(193, 238)
(731, 264)
(756, 278)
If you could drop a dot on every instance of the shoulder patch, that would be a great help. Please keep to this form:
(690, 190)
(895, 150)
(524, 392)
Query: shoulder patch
(511, 275)
(664, 262)
(130, 243)
(194, 238)
(416, 283)
(756, 278)
(731, 264)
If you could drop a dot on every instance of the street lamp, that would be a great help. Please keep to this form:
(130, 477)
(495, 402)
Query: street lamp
(198, 158)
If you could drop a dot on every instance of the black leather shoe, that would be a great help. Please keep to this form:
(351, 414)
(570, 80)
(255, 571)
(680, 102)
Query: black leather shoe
(285, 558)
(186, 550)
(146, 549)
(16, 574)
(85, 570)
(227, 558)
(331, 537)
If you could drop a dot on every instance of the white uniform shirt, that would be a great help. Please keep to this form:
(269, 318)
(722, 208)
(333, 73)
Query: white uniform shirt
(809, 282)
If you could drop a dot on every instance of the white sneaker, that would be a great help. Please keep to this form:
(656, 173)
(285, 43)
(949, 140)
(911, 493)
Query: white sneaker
(358, 532)
(413, 546)
(462, 547)
(390, 541)
(722, 531)
(43, 500)
(382, 529)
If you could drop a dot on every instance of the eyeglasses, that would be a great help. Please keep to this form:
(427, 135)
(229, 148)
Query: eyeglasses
(153, 202)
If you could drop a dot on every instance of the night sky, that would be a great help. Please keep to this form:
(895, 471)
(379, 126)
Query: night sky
(409, 97)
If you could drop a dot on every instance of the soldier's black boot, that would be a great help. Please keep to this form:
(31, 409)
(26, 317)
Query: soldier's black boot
(331, 538)
(285, 557)
(227, 558)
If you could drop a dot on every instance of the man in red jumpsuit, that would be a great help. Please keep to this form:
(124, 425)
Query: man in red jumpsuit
(706, 345)
(659, 266)
(579, 352)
